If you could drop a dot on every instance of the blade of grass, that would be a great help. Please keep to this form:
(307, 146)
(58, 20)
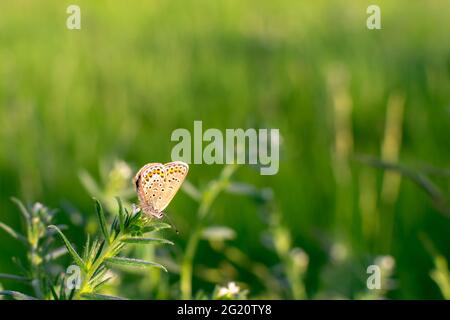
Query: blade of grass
(421, 180)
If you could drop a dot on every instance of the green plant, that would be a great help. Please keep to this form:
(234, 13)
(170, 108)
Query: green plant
(205, 199)
(441, 272)
(293, 259)
(98, 256)
(41, 253)
(114, 179)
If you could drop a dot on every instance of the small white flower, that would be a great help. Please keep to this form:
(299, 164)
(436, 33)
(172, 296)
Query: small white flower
(135, 208)
(231, 290)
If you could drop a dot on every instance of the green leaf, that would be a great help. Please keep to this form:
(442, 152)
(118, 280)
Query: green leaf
(96, 296)
(156, 227)
(71, 294)
(23, 210)
(17, 295)
(137, 240)
(114, 229)
(69, 247)
(135, 216)
(13, 233)
(98, 276)
(87, 248)
(96, 249)
(133, 263)
(102, 220)
(54, 294)
(102, 282)
(121, 214)
(62, 286)
(13, 277)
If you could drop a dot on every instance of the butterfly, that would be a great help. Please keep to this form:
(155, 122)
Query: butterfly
(156, 185)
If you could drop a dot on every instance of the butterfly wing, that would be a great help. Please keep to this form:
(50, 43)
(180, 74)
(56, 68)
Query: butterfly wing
(149, 182)
(175, 174)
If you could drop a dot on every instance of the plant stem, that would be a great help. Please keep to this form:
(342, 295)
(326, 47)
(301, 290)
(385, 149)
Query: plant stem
(107, 253)
(187, 263)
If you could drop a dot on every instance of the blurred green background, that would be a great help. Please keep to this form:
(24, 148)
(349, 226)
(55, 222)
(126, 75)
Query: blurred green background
(73, 102)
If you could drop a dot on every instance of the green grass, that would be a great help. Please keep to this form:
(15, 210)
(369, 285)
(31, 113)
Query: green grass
(116, 89)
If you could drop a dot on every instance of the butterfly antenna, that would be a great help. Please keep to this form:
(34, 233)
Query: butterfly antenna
(171, 223)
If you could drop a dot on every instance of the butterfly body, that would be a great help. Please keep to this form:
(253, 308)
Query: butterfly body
(156, 185)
